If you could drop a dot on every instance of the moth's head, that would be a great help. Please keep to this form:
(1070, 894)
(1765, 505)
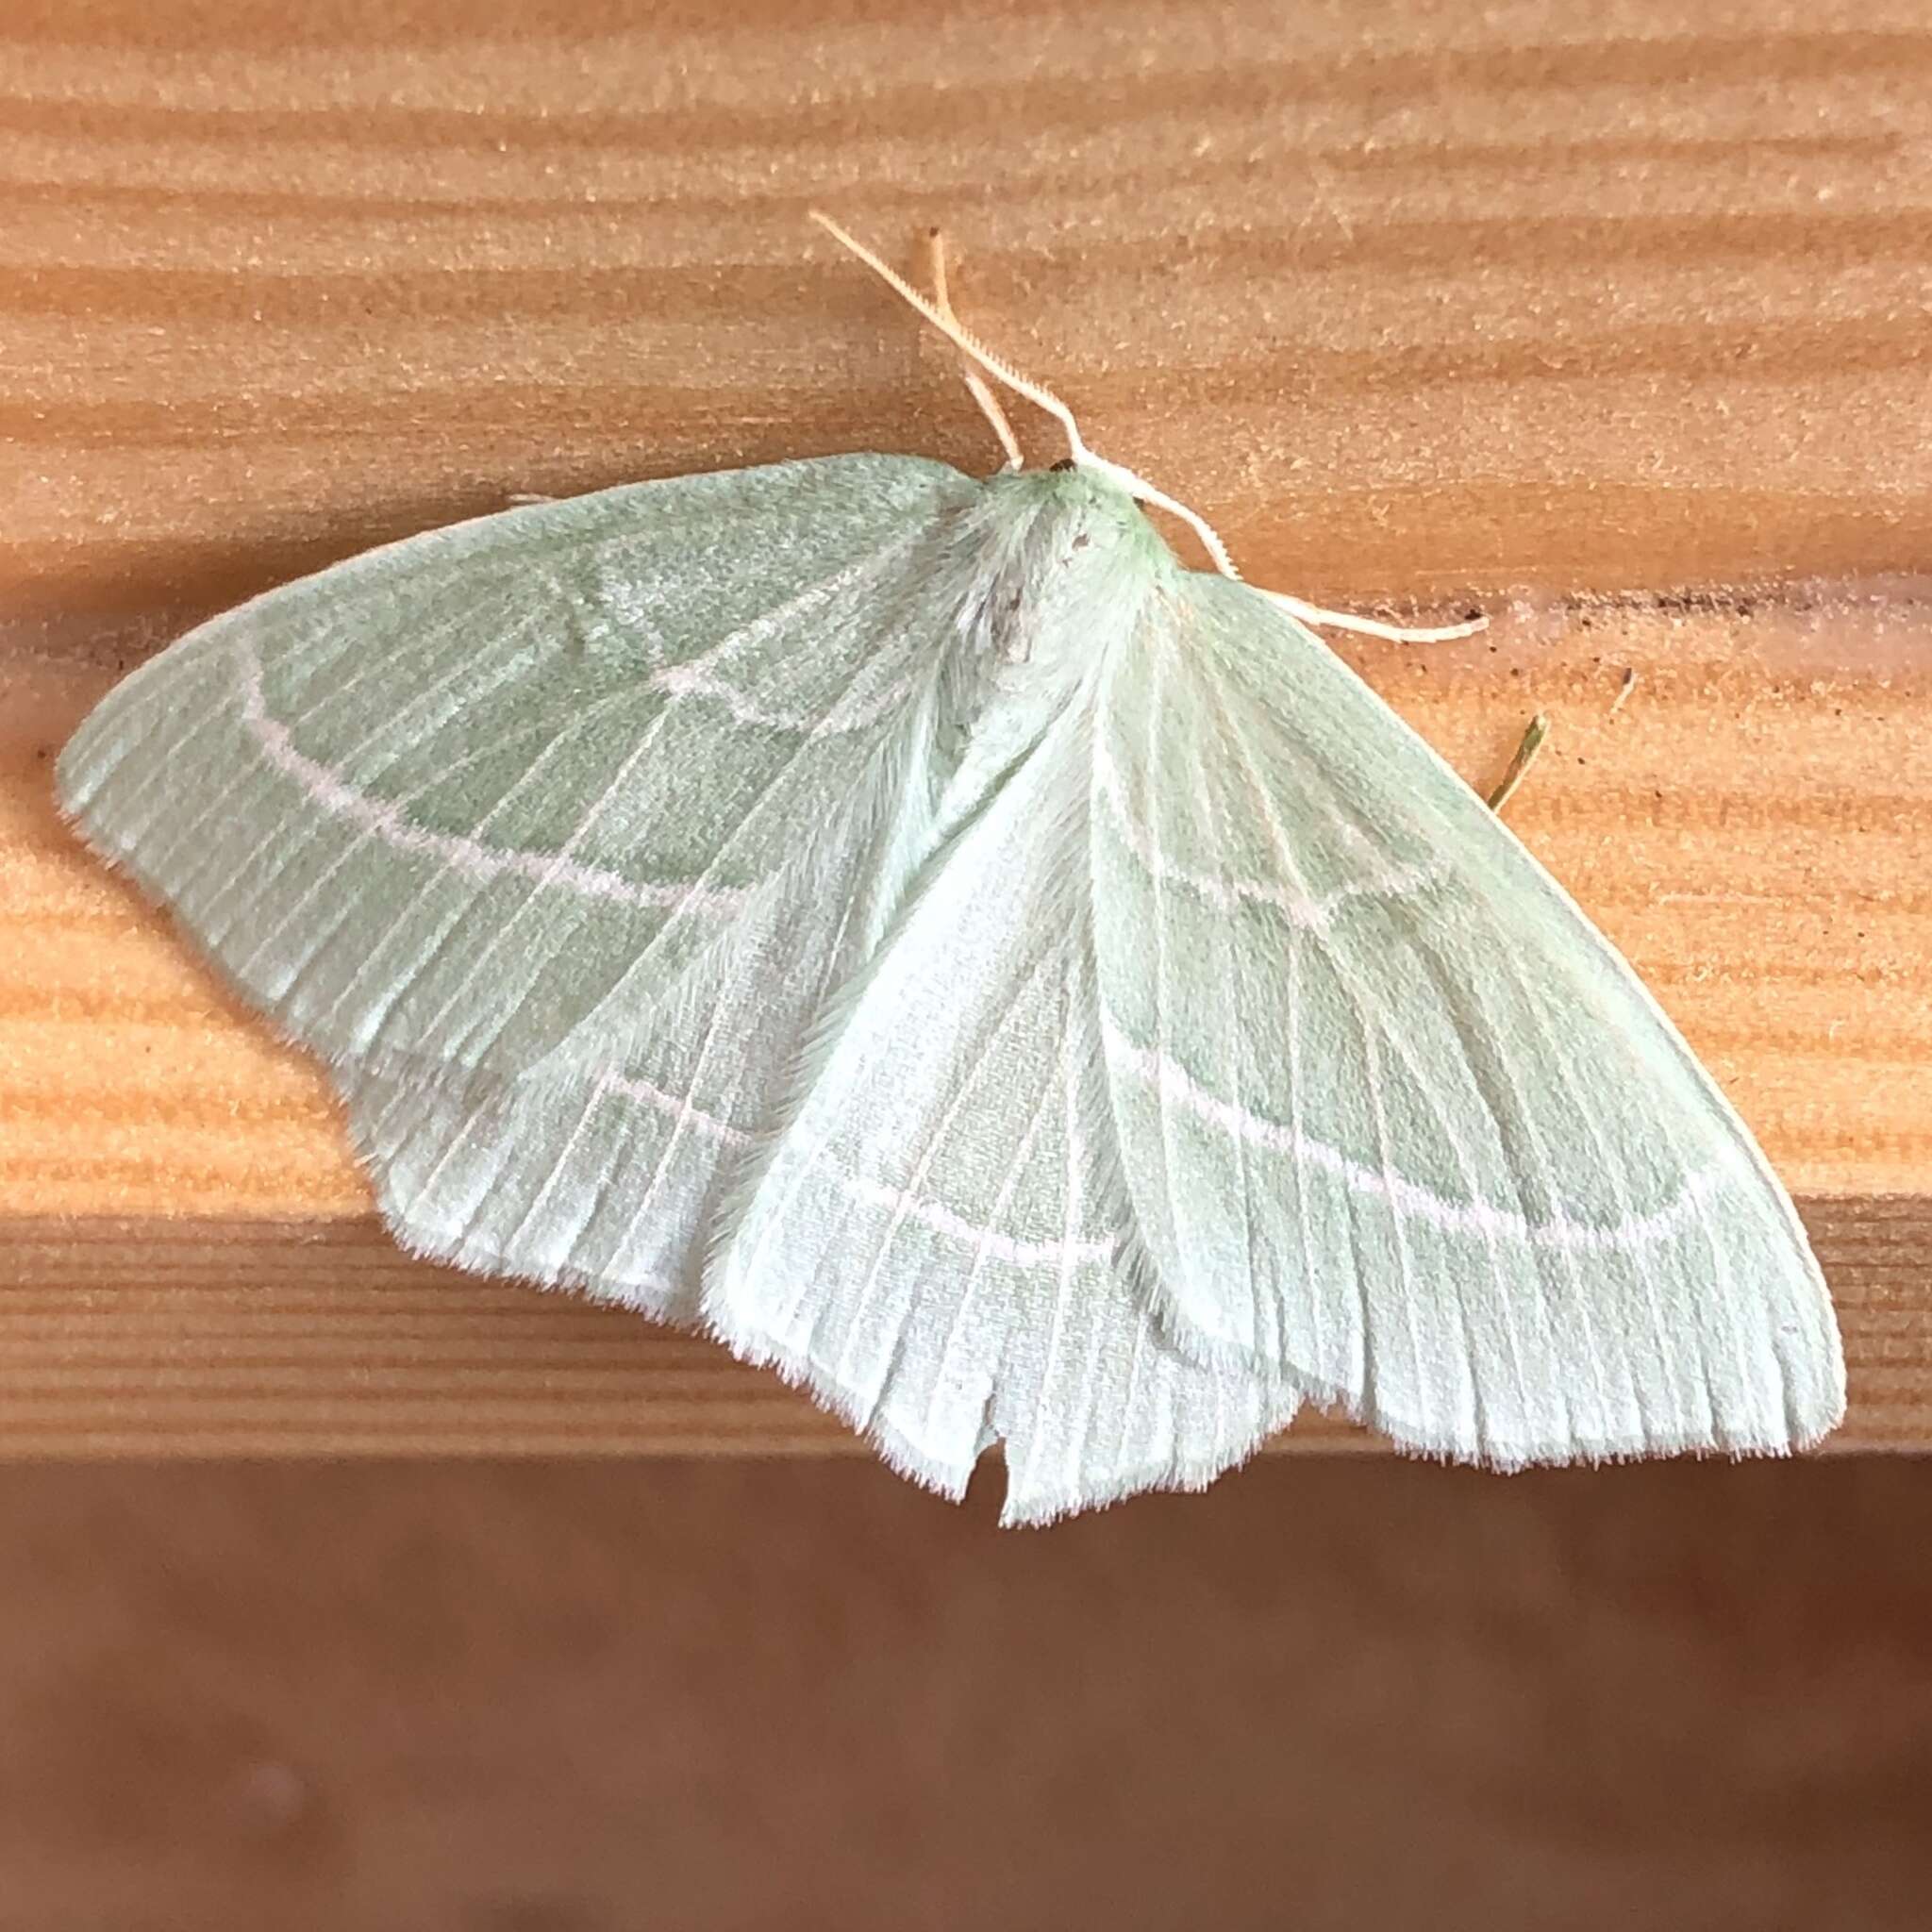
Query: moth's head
(1056, 562)
(1095, 509)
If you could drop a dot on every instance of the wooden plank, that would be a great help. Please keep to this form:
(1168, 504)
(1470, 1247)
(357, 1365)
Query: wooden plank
(1417, 304)
(1409, 299)
(198, 1339)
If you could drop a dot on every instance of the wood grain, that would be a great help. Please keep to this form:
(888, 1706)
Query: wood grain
(1411, 298)
(264, 1337)
(1610, 319)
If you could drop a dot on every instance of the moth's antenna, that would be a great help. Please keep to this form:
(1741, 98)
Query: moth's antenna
(962, 337)
(1037, 393)
(976, 383)
(937, 309)
(1318, 619)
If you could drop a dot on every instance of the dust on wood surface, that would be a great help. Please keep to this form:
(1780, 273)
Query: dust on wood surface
(1610, 322)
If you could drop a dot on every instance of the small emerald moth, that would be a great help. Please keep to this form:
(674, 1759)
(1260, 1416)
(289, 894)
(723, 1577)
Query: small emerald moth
(1023, 990)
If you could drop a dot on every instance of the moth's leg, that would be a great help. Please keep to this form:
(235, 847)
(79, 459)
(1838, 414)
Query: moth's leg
(1533, 736)
(522, 499)
(1318, 619)
(976, 383)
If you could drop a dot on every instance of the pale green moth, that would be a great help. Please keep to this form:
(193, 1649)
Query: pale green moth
(1025, 991)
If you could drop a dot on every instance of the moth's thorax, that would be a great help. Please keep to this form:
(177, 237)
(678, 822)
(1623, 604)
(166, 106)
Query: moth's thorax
(1054, 564)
